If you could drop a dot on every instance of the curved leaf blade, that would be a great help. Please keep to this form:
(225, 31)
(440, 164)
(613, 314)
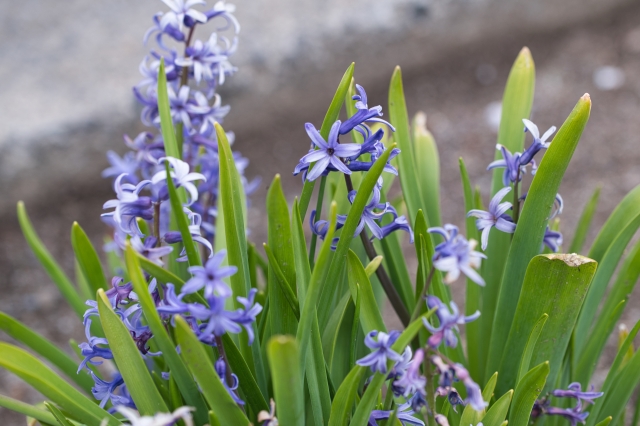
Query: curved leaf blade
(282, 352)
(526, 394)
(88, 258)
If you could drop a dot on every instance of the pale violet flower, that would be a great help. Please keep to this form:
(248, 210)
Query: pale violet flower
(160, 419)
(455, 254)
(269, 417)
(449, 317)
(495, 217)
(182, 177)
(182, 13)
(382, 351)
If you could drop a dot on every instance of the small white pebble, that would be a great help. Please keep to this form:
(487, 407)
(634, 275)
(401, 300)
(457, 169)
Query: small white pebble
(608, 78)
(492, 115)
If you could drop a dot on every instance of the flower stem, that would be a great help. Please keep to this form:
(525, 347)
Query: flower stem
(431, 394)
(314, 237)
(228, 373)
(423, 294)
(156, 222)
(381, 273)
(516, 203)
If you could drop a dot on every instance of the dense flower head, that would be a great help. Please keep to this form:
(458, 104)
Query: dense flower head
(455, 254)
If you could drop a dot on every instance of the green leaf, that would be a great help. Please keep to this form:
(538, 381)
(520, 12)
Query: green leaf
(473, 300)
(180, 218)
(427, 167)
(52, 268)
(84, 288)
(253, 395)
(396, 265)
(88, 258)
(166, 123)
(46, 349)
(526, 394)
(178, 369)
(332, 115)
(130, 363)
(372, 266)
(160, 273)
(624, 213)
(39, 414)
(282, 352)
(284, 313)
(606, 269)
(605, 422)
(47, 382)
(498, 411)
(317, 379)
(399, 118)
(525, 360)
(563, 279)
(200, 365)
(529, 233)
(582, 228)
(471, 416)
(61, 419)
(361, 416)
(517, 101)
(370, 315)
(345, 397)
(303, 268)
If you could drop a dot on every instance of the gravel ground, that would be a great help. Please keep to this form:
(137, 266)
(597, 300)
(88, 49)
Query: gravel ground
(456, 94)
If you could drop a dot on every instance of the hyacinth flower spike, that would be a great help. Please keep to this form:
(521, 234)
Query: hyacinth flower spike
(495, 217)
(180, 173)
(455, 254)
(449, 319)
(364, 113)
(574, 390)
(328, 152)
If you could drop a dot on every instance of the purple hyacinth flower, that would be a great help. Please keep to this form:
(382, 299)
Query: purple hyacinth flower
(225, 11)
(182, 14)
(495, 217)
(328, 152)
(399, 223)
(210, 277)
(181, 176)
(127, 165)
(474, 394)
(574, 390)
(538, 142)
(247, 317)
(449, 318)
(513, 169)
(269, 417)
(119, 293)
(575, 415)
(195, 222)
(149, 250)
(455, 254)
(209, 59)
(454, 399)
(364, 113)
(104, 391)
(404, 415)
(411, 381)
(442, 420)
(172, 304)
(221, 369)
(90, 350)
(129, 206)
(382, 351)
(552, 239)
(216, 321)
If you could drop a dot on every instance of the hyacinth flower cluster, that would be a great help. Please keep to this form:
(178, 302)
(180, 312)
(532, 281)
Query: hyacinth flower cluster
(189, 323)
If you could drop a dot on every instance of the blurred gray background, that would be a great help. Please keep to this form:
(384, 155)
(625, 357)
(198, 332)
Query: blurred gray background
(67, 67)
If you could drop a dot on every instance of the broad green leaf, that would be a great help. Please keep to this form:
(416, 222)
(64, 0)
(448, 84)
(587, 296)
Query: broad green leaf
(525, 360)
(582, 228)
(281, 297)
(160, 273)
(88, 258)
(437, 287)
(178, 369)
(342, 341)
(303, 268)
(336, 269)
(84, 288)
(606, 269)
(29, 410)
(498, 411)
(526, 394)
(622, 215)
(527, 239)
(52, 268)
(201, 368)
(564, 280)
(471, 416)
(282, 352)
(359, 284)
(130, 363)
(361, 416)
(332, 115)
(473, 299)
(517, 101)
(46, 349)
(61, 419)
(48, 383)
(346, 397)
(253, 395)
(316, 374)
(180, 218)
(427, 167)
(171, 148)
(288, 297)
